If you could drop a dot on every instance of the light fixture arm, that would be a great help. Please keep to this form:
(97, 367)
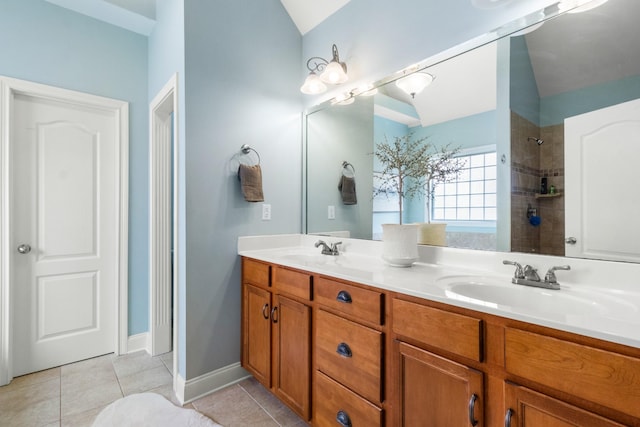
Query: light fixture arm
(317, 64)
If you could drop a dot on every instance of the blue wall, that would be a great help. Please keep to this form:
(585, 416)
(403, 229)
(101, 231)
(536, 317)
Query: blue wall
(47, 44)
(554, 109)
(523, 92)
(242, 62)
(166, 57)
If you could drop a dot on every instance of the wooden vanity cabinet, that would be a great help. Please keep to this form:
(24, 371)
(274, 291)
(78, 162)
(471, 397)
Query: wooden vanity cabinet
(438, 391)
(600, 377)
(276, 329)
(528, 408)
(433, 389)
(256, 319)
(349, 355)
(341, 353)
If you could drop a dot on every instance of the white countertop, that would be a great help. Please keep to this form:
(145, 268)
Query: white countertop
(477, 280)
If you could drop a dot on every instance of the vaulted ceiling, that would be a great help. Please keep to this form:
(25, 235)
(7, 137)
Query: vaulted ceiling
(139, 15)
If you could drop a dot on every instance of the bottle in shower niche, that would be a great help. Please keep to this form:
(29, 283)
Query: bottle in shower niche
(543, 185)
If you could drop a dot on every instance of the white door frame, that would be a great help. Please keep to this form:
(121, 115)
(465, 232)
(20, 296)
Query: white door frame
(163, 131)
(10, 87)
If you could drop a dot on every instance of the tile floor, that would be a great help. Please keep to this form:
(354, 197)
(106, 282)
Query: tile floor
(74, 394)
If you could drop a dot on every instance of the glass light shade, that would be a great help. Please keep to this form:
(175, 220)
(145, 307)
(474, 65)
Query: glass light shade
(313, 85)
(334, 74)
(414, 83)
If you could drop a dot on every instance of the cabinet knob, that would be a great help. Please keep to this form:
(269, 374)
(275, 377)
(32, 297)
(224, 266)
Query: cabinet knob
(344, 350)
(343, 296)
(472, 410)
(343, 419)
(507, 418)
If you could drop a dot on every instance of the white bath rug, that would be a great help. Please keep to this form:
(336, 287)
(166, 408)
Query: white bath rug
(149, 410)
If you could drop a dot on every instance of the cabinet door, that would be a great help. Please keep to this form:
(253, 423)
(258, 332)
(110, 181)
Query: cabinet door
(256, 333)
(527, 408)
(438, 392)
(292, 369)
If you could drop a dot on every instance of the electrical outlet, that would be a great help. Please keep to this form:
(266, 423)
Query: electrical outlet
(266, 212)
(331, 212)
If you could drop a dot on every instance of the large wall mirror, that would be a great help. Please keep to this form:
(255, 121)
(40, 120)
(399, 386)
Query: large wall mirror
(547, 120)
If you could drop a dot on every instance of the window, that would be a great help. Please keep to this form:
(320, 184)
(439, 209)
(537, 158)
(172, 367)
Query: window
(471, 198)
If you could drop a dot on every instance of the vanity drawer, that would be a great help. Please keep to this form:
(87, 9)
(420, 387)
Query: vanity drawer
(452, 332)
(350, 353)
(600, 376)
(292, 282)
(361, 303)
(332, 400)
(255, 272)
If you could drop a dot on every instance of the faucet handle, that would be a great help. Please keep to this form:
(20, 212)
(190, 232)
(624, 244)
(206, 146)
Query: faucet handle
(519, 273)
(334, 246)
(550, 277)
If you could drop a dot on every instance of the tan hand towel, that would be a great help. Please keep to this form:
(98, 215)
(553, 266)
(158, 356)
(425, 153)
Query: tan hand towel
(347, 187)
(251, 182)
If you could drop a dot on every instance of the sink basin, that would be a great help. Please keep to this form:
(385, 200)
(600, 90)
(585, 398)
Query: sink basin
(501, 293)
(306, 259)
(313, 258)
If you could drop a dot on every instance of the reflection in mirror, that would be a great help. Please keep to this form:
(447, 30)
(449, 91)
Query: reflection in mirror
(498, 102)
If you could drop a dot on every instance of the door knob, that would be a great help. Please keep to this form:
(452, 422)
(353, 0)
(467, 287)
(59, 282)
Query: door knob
(571, 240)
(24, 249)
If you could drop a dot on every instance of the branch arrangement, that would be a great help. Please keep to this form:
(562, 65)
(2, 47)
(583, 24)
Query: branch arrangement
(415, 167)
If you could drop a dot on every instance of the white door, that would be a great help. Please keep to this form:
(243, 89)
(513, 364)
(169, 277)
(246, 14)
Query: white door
(63, 222)
(602, 172)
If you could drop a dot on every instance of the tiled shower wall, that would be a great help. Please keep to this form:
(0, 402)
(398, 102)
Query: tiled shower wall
(551, 210)
(529, 163)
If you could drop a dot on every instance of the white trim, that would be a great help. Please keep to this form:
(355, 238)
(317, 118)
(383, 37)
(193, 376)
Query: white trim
(170, 90)
(190, 390)
(160, 225)
(138, 342)
(8, 88)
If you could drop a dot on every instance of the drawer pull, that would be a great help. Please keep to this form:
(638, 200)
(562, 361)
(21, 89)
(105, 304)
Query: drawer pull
(507, 418)
(344, 350)
(343, 419)
(274, 314)
(265, 310)
(472, 409)
(345, 297)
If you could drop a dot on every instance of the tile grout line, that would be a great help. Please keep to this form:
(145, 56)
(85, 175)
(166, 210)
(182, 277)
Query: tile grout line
(261, 407)
(115, 372)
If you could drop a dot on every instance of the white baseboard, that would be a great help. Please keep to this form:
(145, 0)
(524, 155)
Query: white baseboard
(190, 390)
(138, 342)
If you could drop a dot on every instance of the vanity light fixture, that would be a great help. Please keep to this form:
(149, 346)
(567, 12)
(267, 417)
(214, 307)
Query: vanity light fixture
(333, 72)
(344, 99)
(367, 90)
(414, 83)
(577, 6)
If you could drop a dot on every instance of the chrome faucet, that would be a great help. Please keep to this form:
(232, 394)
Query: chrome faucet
(528, 276)
(328, 250)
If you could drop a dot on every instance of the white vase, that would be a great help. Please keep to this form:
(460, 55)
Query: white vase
(400, 244)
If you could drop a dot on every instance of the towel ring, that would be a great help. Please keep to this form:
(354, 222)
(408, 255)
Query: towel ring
(346, 164)
(246, 149)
